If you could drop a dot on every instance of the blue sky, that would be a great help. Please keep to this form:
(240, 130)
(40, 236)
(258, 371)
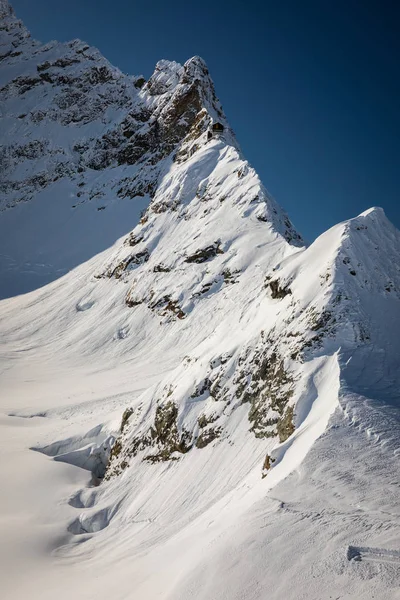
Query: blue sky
(311, 88)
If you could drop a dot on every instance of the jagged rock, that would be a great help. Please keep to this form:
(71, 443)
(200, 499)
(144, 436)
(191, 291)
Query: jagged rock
(166, 306)
(204, 420)
(128, 412)
(203, 387)
(267, 464)
(139, 83)
(277, 291)
(165, 434)
(208, 436)
(133, 240)
(205, 254)
(135, 259)
(285, 425)
(161, 269)
(131, 302)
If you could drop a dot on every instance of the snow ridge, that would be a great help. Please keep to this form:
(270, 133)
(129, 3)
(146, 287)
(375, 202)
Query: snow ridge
(212, 378)
(99, 142)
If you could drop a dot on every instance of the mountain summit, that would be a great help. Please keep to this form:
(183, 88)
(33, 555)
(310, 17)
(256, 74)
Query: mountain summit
(83, 138)
(194, 404)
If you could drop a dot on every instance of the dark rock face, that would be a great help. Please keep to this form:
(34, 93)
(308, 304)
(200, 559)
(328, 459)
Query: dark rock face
(165, 433)
(133, 240)
(285, 426)
(161, 269)
(205, 254)
(166, 306)
(128, 412)
(268, 392)
(135, 259)
(164, 439)
(267, 465)
(278, 292)
(208, 436)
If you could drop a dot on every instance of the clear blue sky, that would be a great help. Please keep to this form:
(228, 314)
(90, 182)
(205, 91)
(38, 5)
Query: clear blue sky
(311, 88)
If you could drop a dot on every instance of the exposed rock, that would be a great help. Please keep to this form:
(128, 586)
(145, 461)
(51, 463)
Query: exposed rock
(161, 269)
(207, 436)
(267, 465)
(128, 412)
(131, 302)
(230, 276)
(153, 119)
(133, 240)
(139, 83)
(166, 306)
(264, 382)
(285, 426)
(166, 435)
(136, 259)
(204, 254)
(278, 291)
(201, 388)
(204, 420)
(322, 320)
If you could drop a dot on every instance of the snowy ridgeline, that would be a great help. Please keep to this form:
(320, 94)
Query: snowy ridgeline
(230, 396)
(85, 149)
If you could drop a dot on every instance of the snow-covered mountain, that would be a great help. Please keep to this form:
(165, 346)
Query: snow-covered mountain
(230, 397)
(86, 148)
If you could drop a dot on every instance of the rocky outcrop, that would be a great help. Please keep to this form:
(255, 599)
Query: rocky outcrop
(277, 290)
(204, 254)
(112, 119)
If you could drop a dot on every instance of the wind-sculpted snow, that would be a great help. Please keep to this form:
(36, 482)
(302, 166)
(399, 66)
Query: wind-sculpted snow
(214, 408)
(324, 314)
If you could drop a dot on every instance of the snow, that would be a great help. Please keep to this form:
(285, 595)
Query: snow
(207, 526)
(323, 521)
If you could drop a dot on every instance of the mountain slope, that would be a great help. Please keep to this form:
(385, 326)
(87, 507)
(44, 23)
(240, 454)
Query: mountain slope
(183, 515)
(86, 148)
(230, 397)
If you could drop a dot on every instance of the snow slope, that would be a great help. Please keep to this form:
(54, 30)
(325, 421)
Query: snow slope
(205, 408)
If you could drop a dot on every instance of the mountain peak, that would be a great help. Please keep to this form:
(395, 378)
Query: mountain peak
(375, 214)
(6, 10)
(97, 139)
(166, 76)
(374, 210)
(375, 226)
(196, 66)
(13, 32)
(192, 89)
